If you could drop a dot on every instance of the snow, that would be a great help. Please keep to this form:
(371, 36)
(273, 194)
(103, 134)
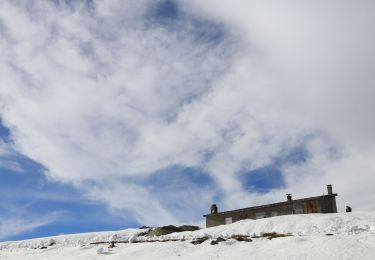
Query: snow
(313, 236)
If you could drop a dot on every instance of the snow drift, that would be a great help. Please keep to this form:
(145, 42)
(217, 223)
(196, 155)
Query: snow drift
(313, 236)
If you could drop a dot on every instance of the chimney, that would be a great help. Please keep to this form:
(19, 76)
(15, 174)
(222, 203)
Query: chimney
(213, 209)
(329, 189)
(289, 197)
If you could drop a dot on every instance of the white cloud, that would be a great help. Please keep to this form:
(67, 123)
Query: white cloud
(98, 94)
(7, 157)
(316, 61)
(5, 149)
(11, 226)
(11, 165)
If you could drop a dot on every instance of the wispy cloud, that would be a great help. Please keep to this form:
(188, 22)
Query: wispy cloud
(11, 226)
(8, 157)
(10, 165)
(5, 149)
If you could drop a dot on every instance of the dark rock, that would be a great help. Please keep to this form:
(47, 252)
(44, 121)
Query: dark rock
(217, 241)
(160, 231)
(272, 235)
(188, 228)
(112, 244)
(220, 239)
(143, 233)
(51, 242)
(199, 240)
(244, 238)
(165, 230)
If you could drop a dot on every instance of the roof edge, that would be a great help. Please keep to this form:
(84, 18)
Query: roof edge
(272, 204)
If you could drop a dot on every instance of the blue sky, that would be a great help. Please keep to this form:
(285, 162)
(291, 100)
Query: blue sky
(117, 114)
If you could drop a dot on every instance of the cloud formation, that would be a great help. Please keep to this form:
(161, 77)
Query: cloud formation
(17, 219)
(11, 226)
(7, 157)
(315, 61)
(109, 95)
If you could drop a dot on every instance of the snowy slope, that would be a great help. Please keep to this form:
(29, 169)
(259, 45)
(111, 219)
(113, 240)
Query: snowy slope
(314, 236)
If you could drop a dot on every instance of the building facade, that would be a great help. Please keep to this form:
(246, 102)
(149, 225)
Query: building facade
(318, 204)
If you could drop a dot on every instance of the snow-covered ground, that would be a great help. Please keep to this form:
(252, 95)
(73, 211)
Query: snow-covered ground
(313, 236)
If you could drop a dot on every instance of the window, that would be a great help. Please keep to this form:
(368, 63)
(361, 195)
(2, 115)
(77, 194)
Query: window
(228, 220)
(259, 215)
(243, 216)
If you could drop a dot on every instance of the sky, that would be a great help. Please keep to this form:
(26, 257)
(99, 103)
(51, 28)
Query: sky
(117, 114)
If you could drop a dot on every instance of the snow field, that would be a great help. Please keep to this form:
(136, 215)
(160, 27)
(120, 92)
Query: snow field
(314, 236)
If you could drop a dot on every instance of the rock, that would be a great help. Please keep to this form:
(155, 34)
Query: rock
(199, 240)
(51, 242)
(165, 230)
(217, 241)
(244, 238)
(188, 228)
(144, 227)
(272, 235)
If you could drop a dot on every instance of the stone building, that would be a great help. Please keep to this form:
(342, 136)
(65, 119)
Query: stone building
(318, 204)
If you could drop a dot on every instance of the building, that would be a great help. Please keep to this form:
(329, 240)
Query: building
(318, 204)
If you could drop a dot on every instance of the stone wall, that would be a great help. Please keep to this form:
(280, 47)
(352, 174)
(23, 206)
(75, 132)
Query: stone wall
(322, 204)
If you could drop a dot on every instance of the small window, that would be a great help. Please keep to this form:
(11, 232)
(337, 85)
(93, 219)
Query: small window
(228, 220)
(259, 215)
(244, 216)
(297, 208)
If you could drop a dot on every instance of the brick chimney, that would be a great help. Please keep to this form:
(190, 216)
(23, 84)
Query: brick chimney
(213, 209)
(289, 197)
(329, 189)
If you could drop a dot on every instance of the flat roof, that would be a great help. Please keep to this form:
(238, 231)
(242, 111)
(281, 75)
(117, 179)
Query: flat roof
(270, 205)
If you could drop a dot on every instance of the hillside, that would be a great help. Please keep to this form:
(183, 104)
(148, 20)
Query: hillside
(314, 236)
